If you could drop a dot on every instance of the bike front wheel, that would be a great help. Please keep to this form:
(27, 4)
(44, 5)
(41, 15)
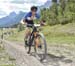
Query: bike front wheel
(41, 50)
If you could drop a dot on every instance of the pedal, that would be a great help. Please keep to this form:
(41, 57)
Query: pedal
(26, 44)
(40, 46)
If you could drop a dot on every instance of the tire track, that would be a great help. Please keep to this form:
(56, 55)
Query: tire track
(19, 53)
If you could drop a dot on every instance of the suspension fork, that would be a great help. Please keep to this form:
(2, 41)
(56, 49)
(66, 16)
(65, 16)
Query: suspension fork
(30, 42)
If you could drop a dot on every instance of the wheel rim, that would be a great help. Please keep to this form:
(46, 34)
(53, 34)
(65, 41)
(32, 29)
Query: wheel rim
(41, 51)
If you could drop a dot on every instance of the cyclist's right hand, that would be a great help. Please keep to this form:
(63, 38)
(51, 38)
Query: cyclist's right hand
(24, 22)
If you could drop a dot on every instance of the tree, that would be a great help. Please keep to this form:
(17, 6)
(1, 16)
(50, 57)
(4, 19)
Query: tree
(59, 13)
(62, 5)
(54, 1)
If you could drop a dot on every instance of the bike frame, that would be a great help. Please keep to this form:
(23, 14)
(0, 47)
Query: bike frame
(32, 37)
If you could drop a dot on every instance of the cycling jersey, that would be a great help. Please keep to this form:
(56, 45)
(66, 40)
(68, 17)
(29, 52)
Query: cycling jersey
(28, 16)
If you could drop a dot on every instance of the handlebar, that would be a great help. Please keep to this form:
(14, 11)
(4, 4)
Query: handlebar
(33, 25)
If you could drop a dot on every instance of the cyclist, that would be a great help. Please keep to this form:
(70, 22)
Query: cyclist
(28, 19)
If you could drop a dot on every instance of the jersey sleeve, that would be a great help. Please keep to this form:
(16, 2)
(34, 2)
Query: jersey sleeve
(27, 16)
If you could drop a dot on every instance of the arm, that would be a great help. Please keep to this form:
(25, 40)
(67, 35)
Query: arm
(30, 17)
(26, 17)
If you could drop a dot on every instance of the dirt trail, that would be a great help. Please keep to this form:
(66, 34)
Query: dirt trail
(19, 53)
(57, 55)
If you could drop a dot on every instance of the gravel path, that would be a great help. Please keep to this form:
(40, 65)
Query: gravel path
(60, 55)
(19, 53)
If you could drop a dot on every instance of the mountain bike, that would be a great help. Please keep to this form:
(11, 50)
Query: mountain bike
(41, 49)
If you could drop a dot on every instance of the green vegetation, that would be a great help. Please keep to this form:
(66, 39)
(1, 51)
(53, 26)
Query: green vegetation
(59, 13)
(1, 48)
(17, 36)
(59, 34)
(7, 65)
(5, 59)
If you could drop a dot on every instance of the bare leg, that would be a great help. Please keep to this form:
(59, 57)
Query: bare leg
(27, 33)
(37, 42)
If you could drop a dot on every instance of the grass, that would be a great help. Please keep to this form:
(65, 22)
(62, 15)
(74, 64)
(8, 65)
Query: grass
(61, 39)
(5, 59)
(54, 34)
(17, 36)
(1, 48)
(7, 65)
(60, 34)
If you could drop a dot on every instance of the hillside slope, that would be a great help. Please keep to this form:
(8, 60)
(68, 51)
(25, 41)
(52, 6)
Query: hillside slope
(54, 34)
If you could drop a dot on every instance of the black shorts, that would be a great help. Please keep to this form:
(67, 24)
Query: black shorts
(30, 22)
